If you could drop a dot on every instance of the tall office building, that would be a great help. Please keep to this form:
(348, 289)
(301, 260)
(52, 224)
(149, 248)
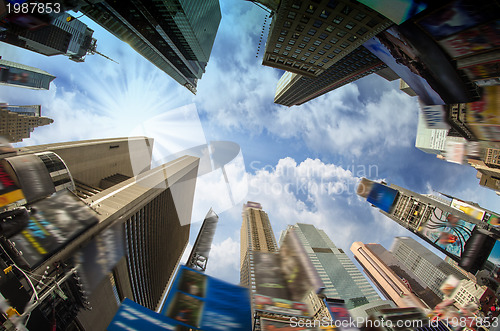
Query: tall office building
(142, 227)
(307, 37)
(175, 35)
(395, 281)
(294, 89)
(429, 268)
(20, 75)
(340, 276)
(256, 235)
(16, 126)
(64, 35)
(447, 225)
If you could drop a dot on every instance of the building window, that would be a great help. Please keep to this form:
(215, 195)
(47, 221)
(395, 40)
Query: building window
(329, 28)
(324, 14)
(287, 24)
(316, 57)
(347, 10)
(311, 32)
(341, 33)
(284, 32)
(317, 24)
(352, 38)
(325, 60)
(294, 56)
(306, 39)
(332, 3)
(291, 15)
(291, 42)
(320, 64)
(288, 48)
(338, 19)
(344, 45)
(276, 51)
(310, 9)
(299, 28)
(372, 23)
(302, 45)
(285, 53)
(312, 61)
(336, 50)
(312, 48)
(296, 4)
(307, 54)
(323, 36)
(281, 39)
(350, 25)
(304, 19)
(321, 52)
(362, 31)
(317, 43)
(359, 16)
(298, 51)
(334, 40)
(303, 58)
(278, 45)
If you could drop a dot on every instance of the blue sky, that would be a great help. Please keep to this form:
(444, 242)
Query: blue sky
(302, 163)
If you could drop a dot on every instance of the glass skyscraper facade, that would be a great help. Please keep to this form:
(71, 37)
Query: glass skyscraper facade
(176, 35)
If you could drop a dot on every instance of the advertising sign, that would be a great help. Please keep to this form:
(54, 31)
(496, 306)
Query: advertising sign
(492, 218)
(202, 302)
(133, 316)
(455, 151)
(53, 223)
(434, 116)
(267, 324)
(382, 196)
(268, 277)
(340, 315)
(280, 306)
(9, 191)
(33, 176)
(475, 212)
(457, 16)
(300, 275)
(446, 231)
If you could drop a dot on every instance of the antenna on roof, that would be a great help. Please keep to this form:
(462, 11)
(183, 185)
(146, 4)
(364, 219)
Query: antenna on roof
(93, 50)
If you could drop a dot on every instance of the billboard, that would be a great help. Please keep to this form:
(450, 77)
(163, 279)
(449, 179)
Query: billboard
(475, 212)
(33, 176)
(280, 306)
(446, 231)
(457, 16)
(9, 191)
(434, 116)
(202, 302)
(53, 222)
(300, 275)
(477, 250)
(340, 315)
(133, 316)
(268, 277)
(267, 324)
(492, 218)
(382, 196)
(483, 117)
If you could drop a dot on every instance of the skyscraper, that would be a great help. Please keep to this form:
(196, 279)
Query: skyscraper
(392, 278)
(143, 223)
(307, 37)
(447, 225)
(175, 35)
(64, 36)
(256, 235)
(429, 268)
(299, 89)
(16, 126)
(20, 75)
(340, 276)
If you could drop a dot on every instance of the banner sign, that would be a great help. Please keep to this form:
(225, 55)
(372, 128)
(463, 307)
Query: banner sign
(202, 302)
(446, 231)
(382, 196)
(9, 191)
(280, 306)
(53, 223)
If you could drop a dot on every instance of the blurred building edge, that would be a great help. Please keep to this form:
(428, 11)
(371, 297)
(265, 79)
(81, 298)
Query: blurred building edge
(17, 122)
(139, 206)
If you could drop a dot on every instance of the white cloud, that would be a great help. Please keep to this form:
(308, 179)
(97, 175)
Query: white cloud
(224, 260)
